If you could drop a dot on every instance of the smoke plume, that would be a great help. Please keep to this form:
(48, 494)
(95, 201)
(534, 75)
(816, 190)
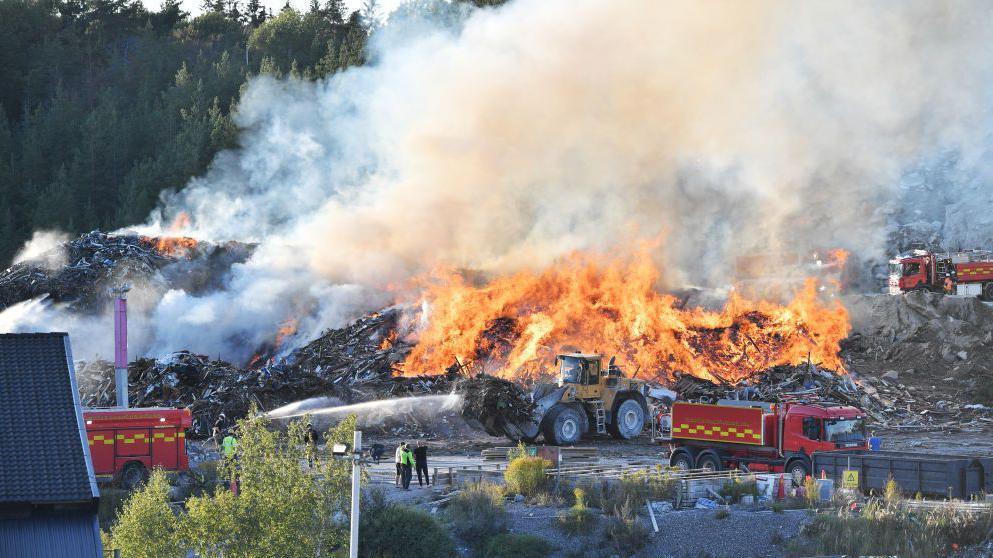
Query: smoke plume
(544, 127)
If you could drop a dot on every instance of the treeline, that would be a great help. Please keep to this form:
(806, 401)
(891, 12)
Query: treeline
(103, 104)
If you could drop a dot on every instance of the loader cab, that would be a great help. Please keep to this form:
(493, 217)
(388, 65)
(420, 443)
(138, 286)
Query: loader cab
(579, 369)
(912, 273)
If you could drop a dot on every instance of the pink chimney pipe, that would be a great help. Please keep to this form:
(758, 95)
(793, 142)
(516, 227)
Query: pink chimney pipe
(121, 345)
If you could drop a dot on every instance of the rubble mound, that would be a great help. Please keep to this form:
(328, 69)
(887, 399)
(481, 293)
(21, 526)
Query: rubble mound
(352, 364)
(81, 271)
(925, 355)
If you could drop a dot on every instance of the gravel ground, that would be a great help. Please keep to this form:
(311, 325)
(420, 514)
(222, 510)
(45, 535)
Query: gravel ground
(689, 533)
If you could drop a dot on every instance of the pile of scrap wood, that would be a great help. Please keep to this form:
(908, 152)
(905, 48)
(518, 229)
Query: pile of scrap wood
(81, 271)
(493, 403)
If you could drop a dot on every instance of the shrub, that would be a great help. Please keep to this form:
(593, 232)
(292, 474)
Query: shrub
(722, 513)
(811, 493)
(147, 526)
(891, 492)
(635, 488)
(733, 491)
(577, 519)
(516, 546)
(624, 532)
(526, 475)
(477, 512)
(403, 532)
(778, 507)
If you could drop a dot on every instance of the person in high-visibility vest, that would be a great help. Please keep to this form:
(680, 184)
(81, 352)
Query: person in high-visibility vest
(229, 445)
(407, 464)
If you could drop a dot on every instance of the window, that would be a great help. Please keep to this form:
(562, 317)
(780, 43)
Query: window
(911, 269)
(845, 430)
(572, 370)
(812, 428)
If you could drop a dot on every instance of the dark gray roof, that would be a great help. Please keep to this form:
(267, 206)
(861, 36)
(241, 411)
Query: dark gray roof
(43, 452)
(74, 534)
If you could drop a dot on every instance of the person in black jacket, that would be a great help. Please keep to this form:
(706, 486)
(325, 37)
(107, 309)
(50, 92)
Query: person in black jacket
(421, 460)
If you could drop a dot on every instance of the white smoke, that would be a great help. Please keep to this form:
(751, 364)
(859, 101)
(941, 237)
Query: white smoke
(547, 126)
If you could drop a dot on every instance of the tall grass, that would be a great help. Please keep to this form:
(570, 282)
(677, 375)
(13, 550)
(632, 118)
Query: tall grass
(884, 528)
(578, 519)
(477, 512)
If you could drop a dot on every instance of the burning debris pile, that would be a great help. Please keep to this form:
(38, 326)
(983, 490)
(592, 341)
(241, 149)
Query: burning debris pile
(81, 271)
(352, 364)
(493, 404)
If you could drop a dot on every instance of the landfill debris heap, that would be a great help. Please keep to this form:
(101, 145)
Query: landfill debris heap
(81, 272)
(919, 360)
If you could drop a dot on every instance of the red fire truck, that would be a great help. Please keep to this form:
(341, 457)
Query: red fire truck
(760, 436)
(968, 273)
(125, 443)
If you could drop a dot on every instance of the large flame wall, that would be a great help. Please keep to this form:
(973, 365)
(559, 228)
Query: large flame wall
(513, 326)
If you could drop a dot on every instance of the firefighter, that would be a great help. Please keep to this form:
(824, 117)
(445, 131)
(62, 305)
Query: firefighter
(406, 466)
(421, 461)
(311, 445)
(229, 445)
(396, 457)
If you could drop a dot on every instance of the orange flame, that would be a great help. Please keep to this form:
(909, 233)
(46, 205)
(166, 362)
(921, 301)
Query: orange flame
(514, 326)
(181, 222)
(175, 246)
(288, 328)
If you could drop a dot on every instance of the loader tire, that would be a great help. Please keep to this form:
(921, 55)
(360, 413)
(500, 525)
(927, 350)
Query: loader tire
(629, 420)
(563, 425)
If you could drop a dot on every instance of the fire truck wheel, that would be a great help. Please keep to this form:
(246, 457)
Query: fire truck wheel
(629, 420)
(708, 462)
(798, 471)
(564, 425)
(682, 461)
(134, 475)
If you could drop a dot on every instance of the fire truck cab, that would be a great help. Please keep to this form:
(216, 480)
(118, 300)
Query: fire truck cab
(126, 443)
(761, 436)
(966, 273)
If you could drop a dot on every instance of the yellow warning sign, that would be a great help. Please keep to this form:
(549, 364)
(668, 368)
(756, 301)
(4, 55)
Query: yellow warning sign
(850, 479)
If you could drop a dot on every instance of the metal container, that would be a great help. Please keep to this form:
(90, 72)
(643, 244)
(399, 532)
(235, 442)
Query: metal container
(955, 476)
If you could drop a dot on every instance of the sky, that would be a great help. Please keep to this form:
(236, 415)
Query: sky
(193, 6)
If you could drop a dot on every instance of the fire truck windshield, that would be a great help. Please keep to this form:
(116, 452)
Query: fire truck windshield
(845, 430)
(911, 269)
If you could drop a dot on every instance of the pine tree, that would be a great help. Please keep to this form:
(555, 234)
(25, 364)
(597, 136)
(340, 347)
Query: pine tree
(214, 6)
(370, 13)
(256, 12)
(335, 10)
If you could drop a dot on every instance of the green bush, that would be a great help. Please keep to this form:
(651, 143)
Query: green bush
(395, 531)
(722, 513)
(526, 475)
(882, 529)
(633, 487)
(477, 512)
(624, 532)
(733, 491)
(578, 519)
(147, 527)
(516, 546)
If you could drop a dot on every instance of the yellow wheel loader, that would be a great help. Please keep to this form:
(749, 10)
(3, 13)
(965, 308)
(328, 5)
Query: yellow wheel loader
(587, 399)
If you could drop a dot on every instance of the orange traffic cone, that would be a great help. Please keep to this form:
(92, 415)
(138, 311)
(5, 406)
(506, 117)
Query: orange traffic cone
(823, 474)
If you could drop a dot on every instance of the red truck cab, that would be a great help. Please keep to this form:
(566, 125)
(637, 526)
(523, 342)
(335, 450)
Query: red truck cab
(760, 436)
(125, 444)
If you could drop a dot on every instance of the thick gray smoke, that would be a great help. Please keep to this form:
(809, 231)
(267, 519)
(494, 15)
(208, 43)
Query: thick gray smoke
(548, 126)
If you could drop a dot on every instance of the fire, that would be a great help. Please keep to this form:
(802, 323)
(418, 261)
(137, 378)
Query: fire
(175, 246)
(286, 330)
(514, 326)
(180, 223)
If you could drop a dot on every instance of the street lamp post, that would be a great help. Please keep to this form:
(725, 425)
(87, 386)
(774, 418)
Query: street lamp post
(340, 450)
